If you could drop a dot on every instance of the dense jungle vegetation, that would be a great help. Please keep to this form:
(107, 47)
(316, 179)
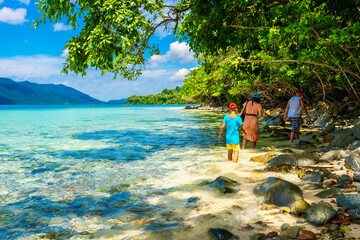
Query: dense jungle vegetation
(268, 46)
(167, 96)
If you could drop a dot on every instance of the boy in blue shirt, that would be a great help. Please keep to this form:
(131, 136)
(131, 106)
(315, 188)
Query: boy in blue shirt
(232, 122)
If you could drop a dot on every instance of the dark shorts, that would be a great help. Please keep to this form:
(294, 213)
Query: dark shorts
(295, 124)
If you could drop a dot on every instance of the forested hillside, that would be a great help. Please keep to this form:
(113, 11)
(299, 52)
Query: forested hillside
(27, 93)
(167, 96)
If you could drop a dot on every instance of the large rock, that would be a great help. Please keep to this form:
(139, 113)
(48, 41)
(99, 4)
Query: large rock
(279, 192)
(320, 214)
(353, 161)
(313, 177)
(278, 121)
(344, 181)
(356, 131)
(340, 141)
(276, 112)
(330, 127)
(323, 119)
(330, 193)
(303, 159)
(221, 234)
(355, 145)
(225, 185)
(299, 207)
(351, 201)
(333, 155)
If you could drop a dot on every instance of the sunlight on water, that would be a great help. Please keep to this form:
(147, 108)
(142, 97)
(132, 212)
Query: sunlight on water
(115, 173)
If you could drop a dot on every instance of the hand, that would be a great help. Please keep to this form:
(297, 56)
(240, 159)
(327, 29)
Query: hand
(285, 117)
(219, 137)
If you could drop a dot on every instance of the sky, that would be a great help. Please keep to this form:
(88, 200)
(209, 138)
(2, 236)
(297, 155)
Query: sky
(37, 55)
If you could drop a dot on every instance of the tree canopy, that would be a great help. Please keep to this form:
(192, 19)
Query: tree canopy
(312, 44)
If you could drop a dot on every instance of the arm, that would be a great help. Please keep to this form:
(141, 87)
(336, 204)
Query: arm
(242, 129)
(221, 130)
(287, 110)
(260, 112)
(304, 107)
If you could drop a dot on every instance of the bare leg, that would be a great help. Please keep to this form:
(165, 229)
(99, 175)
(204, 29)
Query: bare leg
(244, 143)
(230, 152)
(236, 156)
(253, 144)
(297, 135)
(292, 136)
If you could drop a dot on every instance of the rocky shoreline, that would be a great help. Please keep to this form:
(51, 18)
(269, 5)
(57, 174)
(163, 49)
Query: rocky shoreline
(314, 182)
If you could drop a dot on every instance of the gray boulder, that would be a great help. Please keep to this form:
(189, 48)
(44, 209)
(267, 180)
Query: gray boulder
(353, 161)
(333, 155)
(225, 185)
(330, 193)
(221, 234)
(344, 181)
(356, 177)
(351, 201)
(356, 131)
(340, 141)
(313, 177)
(279, 192)
(320, 214)
(278, 121)
(276, 112)
(302, 159)
(355, 145)
(323, 119)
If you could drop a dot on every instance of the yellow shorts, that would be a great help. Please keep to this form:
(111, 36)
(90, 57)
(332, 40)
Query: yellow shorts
(235, 147)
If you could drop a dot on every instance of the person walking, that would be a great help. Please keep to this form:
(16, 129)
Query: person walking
(293, 112)
(253, 111)
(232, 122)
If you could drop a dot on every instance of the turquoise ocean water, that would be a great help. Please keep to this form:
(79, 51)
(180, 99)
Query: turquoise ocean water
(101, 172)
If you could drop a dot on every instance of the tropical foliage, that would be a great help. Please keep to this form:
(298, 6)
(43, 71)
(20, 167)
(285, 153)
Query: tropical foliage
(167, 96)
(272, 46)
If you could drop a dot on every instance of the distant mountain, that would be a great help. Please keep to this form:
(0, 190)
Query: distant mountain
(120, 101)
(27, 93)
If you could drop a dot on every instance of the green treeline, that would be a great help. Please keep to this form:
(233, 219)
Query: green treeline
(167, 96)
(274, 48)
(267, 46)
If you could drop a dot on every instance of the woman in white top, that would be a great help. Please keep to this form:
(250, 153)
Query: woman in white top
(293, 113)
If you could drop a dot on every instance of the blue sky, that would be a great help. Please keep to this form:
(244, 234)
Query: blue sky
(36, 55)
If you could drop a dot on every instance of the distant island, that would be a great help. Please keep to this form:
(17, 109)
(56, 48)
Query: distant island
(120, 101)
(28, 93)
(167, 96)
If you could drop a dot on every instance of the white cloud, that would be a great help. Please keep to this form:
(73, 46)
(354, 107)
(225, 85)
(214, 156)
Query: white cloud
(25, 1)
(179, 75)
(1, 1)
(162, 32)
(24, 67)
(179, 52)
(65, 53)
(13, 16)
(61, 27)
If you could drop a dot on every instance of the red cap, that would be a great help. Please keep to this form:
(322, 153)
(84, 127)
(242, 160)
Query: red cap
(233, 106)
(298, 91)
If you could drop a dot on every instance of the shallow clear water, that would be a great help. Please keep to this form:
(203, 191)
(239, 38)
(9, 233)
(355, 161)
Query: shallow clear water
(102, 172)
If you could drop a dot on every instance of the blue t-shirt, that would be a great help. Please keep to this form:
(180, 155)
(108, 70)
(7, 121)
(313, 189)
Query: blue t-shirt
(232, 129)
